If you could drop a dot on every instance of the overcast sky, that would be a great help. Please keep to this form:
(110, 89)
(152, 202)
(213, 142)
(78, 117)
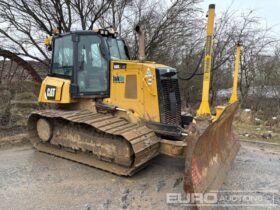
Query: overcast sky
(267, 9)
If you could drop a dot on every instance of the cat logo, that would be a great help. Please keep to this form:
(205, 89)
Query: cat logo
(50, 92)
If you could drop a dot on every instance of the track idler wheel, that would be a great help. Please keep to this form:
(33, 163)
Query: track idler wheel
(44, 129)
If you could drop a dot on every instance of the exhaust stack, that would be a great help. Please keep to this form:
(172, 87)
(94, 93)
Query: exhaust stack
(141, 37)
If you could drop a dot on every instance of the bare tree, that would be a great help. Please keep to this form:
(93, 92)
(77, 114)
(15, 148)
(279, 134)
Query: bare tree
(164, 22)
(25, 23)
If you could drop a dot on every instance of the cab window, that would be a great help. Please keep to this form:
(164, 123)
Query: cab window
(116, 48)
(92, 65)
(63, 56)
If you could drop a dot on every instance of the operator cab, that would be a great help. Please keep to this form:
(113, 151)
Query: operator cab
(84, 57)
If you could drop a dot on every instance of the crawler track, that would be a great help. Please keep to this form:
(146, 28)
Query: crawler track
(99, 140)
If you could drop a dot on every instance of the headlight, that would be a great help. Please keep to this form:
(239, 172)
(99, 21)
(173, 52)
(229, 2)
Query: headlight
(102, 31)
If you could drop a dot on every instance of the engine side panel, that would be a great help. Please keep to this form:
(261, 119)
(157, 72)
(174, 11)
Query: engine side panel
(134, 86)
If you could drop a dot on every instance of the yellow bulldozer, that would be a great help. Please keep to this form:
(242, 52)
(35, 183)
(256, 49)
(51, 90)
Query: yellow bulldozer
(117, 114)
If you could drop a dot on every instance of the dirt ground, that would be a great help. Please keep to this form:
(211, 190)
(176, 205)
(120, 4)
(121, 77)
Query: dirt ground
(34, 180)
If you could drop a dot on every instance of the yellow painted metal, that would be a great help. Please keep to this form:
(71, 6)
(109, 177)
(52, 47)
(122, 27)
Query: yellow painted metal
(145, 105)
(219, 111)
(62, 91)
(234, 97)
(173, 148)
(204, 108)
(48, 41)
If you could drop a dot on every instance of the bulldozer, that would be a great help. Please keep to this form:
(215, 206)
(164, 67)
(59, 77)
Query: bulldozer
(118, 114)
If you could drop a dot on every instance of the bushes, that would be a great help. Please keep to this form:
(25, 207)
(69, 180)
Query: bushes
(18, 100)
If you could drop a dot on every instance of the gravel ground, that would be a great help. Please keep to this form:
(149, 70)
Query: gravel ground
(34, 180)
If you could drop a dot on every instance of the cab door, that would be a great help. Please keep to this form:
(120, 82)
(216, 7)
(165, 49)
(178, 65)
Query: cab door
(92, 67)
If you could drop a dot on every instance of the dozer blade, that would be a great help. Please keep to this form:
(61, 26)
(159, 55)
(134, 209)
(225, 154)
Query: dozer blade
(210, 155)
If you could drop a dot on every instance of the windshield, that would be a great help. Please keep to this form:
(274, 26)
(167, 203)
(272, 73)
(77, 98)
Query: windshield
(63, 56)
(116, 48)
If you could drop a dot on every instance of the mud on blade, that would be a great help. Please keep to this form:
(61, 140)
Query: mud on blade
(210, 155)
